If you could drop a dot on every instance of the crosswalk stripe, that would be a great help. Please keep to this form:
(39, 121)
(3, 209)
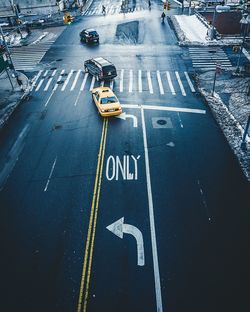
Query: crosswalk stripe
(92, 83)
(121, 80)
(41, 81)
(75, 80)
(67, 80)
(58, 80)
(159, 82)
(84, 81)
(139, 81)
(49, 81)
(180, 83)
(170, 83)
(36, 78)
(189, 82)
(111, 84)
(150, 86)
(130, 81)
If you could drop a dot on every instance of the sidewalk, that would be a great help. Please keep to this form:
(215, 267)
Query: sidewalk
(230, 104)
(10, 98)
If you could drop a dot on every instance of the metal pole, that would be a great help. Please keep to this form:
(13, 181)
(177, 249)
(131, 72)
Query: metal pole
(243, 142)
(215, 74)
(8, 51)
(213, 21)
(9, 79)
(241, 48)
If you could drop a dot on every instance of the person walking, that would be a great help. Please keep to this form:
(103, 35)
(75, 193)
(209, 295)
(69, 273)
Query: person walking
(149, 4)
(103, 10)
(163, 17)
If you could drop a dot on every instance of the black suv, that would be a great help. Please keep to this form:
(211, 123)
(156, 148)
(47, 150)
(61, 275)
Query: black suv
(100, 68)
(89, 36)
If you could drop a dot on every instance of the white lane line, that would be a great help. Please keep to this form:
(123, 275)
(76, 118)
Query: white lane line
(58, 80)
(84, 81)
(189, 82)
(130, 88)
(47, 102)
(75, 80)
(159, 82)
(67, 80)
(166, 108)
(179, 117)
(35, 80)
(150, 86)
(51, 172)
(170, 83)
(111, 84)
(247, 55)
(139, 81)
(78, 96)
(92, 83)
(180, 83)
(41, 81)
(152, 221)
(121, 80)
(49, 81)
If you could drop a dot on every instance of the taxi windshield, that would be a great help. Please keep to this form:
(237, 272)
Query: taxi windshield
(109, 100)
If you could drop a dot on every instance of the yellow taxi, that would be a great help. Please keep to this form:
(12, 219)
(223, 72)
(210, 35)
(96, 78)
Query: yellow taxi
(106, 101)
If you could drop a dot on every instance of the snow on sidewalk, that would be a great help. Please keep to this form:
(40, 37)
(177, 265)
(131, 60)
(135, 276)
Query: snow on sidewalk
(193, 29)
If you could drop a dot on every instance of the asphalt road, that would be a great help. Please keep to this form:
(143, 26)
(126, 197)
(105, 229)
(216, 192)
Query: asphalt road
(165, 173)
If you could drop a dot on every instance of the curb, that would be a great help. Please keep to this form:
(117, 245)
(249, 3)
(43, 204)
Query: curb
(231, 129)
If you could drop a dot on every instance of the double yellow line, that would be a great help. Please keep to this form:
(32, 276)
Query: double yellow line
(87, 264)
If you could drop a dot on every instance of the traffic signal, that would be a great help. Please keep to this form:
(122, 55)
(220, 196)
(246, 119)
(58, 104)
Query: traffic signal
(165, 5)
(68, 18)
(168, 7)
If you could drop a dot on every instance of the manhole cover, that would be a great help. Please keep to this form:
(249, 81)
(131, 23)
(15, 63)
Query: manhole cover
(58, 60)
(53, 68)
(161, 122)
(60, 82)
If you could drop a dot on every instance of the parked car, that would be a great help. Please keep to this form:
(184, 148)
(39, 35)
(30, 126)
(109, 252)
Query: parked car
(100, 68)
(89, 36)
(106, 101)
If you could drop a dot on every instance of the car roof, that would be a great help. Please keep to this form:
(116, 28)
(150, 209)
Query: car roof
(105, 91)
(90, 30)
(102, 61)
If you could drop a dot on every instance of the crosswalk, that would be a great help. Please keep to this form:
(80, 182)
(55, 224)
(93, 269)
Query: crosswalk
(114, 9)
(206, 58)
(128, 81)
(27, 57)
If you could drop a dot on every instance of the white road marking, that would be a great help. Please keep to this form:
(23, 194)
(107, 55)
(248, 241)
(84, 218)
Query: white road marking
(150, 86)
(180, 83)
(84, 81)
(121, 80)
(166, 108)
(151, 219)
(139, 81)
(124, 116)
(189, 82)
(119, 227)
(179, 117)
(49, 81)
(35, 80)
(67, 80)
(92, 83)
(130, 81)
(111, 84)
(59, 79)
(159, 82)
(170, 83)
(75, 80)
(41, 81)
(51, 172)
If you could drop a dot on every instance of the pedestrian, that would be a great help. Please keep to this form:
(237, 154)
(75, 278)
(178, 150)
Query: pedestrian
(149, 4)
(103, 10)
(20, 82)
(163, 17)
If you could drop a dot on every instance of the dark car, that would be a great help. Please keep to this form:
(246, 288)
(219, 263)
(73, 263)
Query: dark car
(89, 36)
(100, 68)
